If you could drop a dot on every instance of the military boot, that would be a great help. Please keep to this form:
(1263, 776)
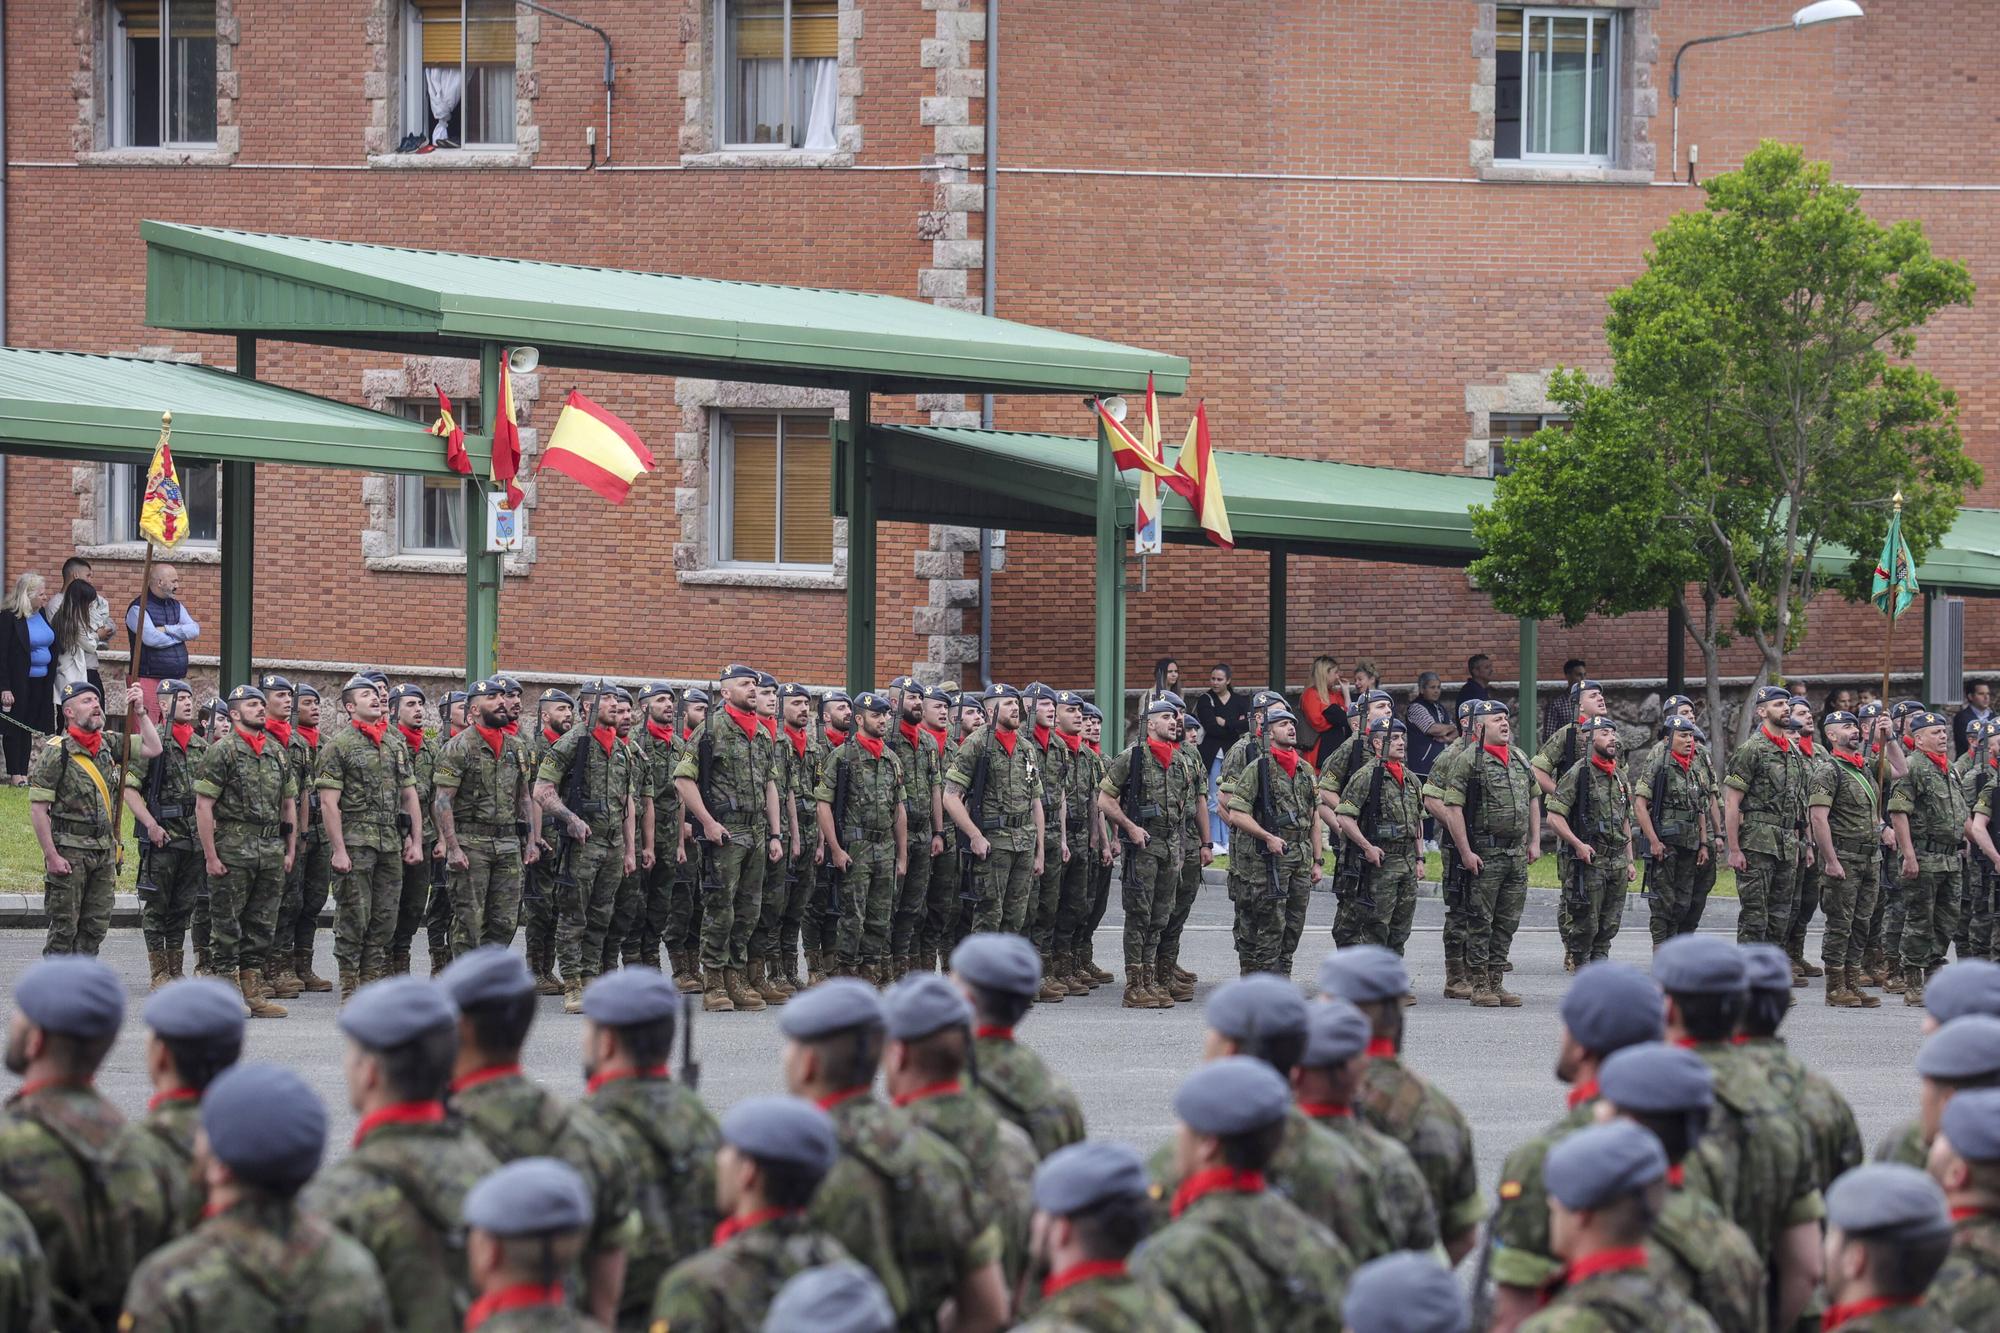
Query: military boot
(251, 984)
(1052, 991)
(762, 981)
(1496, 982)
(1136, 994)
(1090, 965)
(1169, 980)
(779, 974)
(1456, 985)
(302, 967)
(1798, 973)
(202, 966)
(1158, 991)
(1862, 997)
(1182, 974)
(739, 993)
(715, 992)
(176, 962)
(1838, 995)
(398, 964)
(1482, 982)
(573, 995)
(1809, 968)
(1066, 976)
(1892, 979)
(156, 960)
(1913, 987)
(815, 968)
(349, 982)
(285, 983)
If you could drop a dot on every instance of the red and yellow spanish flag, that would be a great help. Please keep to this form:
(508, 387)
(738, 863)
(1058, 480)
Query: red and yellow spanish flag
(1196, 466)
(447, 426)
(163, 509)
(507, 438)
(593, 447)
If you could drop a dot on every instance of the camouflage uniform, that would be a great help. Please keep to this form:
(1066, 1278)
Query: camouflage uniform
(1497, 832)
(310, 880)
(400, 1193)
(1264, 926)
(1453, 754)
(669, 1140)
(249, 790)
(78, 791)
(1937, 813)
(1708, 1259)
(1101, 872)
(1005, 878)
(1848, 795)
(426, 896)
(1974, 937)
(1408, 1215)
(1595, 914)
(1773, 777)
(24, 1273)
(940, 928)
(538, 893)
(485, 791)
(904, 1204)
(1677, 799)
(1818, 772)
(1966, 1291)
(1906, 1144)
(179, 875)
(1831, 1129)
(732, 887)
(1631, 1298)
(583, 909)
(91, 1188)
(923, 774)
(1002, 1159)
(659, 751)
(867, 833)
(1386, 893)
(1249, 1262)
(1334, 771)
(1027, 1093)
(168, 1130)
(1152, 873)
(789, 883)
(814, 933)
(264, 1264)
(1756, 1160)
(1065, 938)
(1187, 885)
(1522, 1254)
(1108, 1303)
(1408, 1109)
(370, 777)
(727, 1289)
(622, 938)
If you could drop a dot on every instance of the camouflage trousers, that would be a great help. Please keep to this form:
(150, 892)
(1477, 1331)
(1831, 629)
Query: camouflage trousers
(180, 879)
(1810, 889)
(79, 903)
(1930, 911)
(656, 892)
(1187, 887)
(1068, 932)
(796, 907)
(622, 937)
(906, 920)
(1100, 901)
(1674, 895)
(1386, 905)
(538, 912)
(733, 897)
(1850, 903)
(1045, 894)
(1588, 920)
(867, 901)
(1767, 891)
(1885, 926)
(940, 928)
(486, 895)
(1262, 930)
(367, 900)
(1456, 920)
(424, 904)
(583, 910)
(304, 897)
(1493, 905)
(1003, 881)
(1150, 883)
(684, 907)
(1974, 936)
(243, 906)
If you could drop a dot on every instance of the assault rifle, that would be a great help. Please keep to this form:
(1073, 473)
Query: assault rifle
(843, 775)
(1457, 878)
(144, 886)
(975, 810)
(690, 1067)
(572, 792)
(1574, 888)
(1656, 810)
(1132, 799)
(1267, 816)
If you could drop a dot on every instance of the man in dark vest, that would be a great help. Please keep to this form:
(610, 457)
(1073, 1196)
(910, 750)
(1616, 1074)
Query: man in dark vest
(167, 627)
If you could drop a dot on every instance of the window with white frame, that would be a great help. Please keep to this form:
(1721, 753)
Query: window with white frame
(430, 511)
(1507, 429)
(162, 73)
(774, 489)
(458, 74)
(779, 73)
(1554, 97)
(125, 493)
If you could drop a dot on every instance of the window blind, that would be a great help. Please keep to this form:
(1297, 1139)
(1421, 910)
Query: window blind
(753, 488)
(808, 517)
(760, 29)
(490, 34)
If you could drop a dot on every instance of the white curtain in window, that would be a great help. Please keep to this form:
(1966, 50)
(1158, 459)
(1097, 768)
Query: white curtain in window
(815, 103)
(491, 105)
(760, 114)
(445, 86)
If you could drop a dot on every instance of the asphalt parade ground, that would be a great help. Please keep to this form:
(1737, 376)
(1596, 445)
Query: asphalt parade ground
(1125, 1063)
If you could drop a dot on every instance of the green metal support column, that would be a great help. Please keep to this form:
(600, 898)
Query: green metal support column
(482, 568)
(239, 549)
(1526, 718)
(860, 545)
(1276, 654)
(1110, 651)
(1930, 684)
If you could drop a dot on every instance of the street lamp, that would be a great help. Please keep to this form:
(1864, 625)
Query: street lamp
(1820, 11)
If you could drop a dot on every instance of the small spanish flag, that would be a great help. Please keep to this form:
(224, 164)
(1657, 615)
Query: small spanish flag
(1197, 465)
(592, 446)
(163, 509)
(507, 439)
(447, 426)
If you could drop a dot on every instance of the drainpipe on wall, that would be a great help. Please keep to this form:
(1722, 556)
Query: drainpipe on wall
(3, 261)
(987, 260)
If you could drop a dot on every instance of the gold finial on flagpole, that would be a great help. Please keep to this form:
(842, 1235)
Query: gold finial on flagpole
(1897, 500)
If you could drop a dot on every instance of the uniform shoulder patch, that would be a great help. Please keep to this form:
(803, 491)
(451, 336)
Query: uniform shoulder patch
(1157, 1191)
(1510, 1189)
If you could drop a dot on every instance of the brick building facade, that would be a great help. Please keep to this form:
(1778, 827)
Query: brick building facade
(1322, 205)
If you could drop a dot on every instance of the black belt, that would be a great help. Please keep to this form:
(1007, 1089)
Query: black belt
(256, 830)
(1925, 847)
(1492, 840)
(496, 829)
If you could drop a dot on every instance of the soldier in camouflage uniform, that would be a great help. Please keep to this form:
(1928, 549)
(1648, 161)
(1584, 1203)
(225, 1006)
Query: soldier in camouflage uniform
(1817, 765)
(258, 1260)
(1495, 826)
(622, 936)
(1264, 934)
(900, 1200)
(1975, 771)
(482, 805)
(937, 931)
(526, 1225)
(1243, 849)
(401, 1190)
(280, 702)
(196, 1032)
(867, 847)
(515, 1117)
(1763, 810)
(1077, 794)
(921, 757)
(1237, 1255)
(1888, 755)
(555, 713)
(1601, 865)
(817, 932)
(1888, 1235)
(24, 1273)
(368, 802)
(1000, 976)
(91, 1186)
(1168, 974)
(1834, 1134)
(1057, 763)
(1153, 831)
(1334, 770)
(659, 751)
(1007, 845)
(1965, 1160)
(600, 832)
(775, 1152)
(70, 782)
(1676, 832)
(1562, 748)
(1846, 823)
(245, 797)
(426, 896)
(169, 850)
(1930, 816)
(789, 884)
(1387, 836)
(309, 886)
(1704, 765)
(1091, 1207)
(668, 1136)
(1106, 850)
(1457, 985)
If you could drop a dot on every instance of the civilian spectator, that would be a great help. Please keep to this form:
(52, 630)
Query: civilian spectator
(74, 636)
(1166, 677)
(1225, 718)
(1839, 699)
(1365, 678)
(1978, 708)
(1325, 703)
(167, 629)
(27, 654)
(1556, 712)
(75, 568)
(1478, 680)
(1798, 689)
(1431, 729)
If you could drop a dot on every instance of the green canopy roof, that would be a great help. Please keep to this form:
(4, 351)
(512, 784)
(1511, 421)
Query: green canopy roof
(300, 289)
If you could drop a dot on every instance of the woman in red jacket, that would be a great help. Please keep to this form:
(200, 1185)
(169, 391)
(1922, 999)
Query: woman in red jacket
(1325, 704)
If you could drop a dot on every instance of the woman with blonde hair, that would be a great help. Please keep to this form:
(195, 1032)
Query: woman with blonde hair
(1325, 704)
(27, 655)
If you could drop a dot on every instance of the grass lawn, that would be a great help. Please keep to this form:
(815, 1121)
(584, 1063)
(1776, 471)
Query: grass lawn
(21, 855)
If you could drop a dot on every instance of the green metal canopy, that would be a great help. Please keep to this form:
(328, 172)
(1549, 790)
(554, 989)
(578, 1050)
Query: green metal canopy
(301, 289)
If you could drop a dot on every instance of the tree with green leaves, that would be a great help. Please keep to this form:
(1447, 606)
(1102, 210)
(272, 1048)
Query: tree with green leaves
(1762, 409)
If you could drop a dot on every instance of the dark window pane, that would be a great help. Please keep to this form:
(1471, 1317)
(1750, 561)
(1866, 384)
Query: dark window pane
(1507, 86)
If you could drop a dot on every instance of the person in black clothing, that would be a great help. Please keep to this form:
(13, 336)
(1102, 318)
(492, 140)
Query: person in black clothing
(1478, 680)
(1225, 719)
(27, 659)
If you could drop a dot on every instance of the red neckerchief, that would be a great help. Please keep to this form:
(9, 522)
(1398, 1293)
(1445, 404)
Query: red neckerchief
(1626, 1259)
(1006, 739)
(1162, 751)
(605, 736)
(89, 740)
(747, 721)
(520, 1296)
(494, 738)
(1287, 760)
(402, 1113)
(871, 744)
(688, 735)
(415, 738)
(664, 735)
(1380, 1048)
(374, 731)
(1041, 736)
(1585, 1091)
(551, 735)
(1606, 766)
(1096, 747)
(615, 1075)
(1805, 746)
(769, 722)
(1083, 1272)
(1677, 1176)
(513, 728)
(1685, 1043)
(731, 1227)
(253, 739)
(1852, 760)
(160, 1099)
(282, 730)
(311, 734)
(1327, 1110)
(1780, 741)
(798, 738)
(986, 1030)
(833, 1099)
(1836, 1315)
(1944, 765)
(946, 1089)
(1395, 770)
(1503, 753)
(836, 737)
(1075, 743)
(486, 1075)
(938, 735)
(1686, 761)
(183, 733)
(1964, 1214)
(30, 1089)
(1214, 1180)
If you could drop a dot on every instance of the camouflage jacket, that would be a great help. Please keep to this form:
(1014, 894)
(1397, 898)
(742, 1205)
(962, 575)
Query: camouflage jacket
(1506, 791)
(875, 787)
(607, 781)
(423, 756)
(1522, 1255)
(1836, 1136)
(1407, 1211)
(1337, 767)
(1162, 808)
(1293, 803)
(1056, 762)
(177, 772)
(1078, 792)
(1710, 1261)
(304, 759)
(77, 789)
(169, 1129)
(1013, 786)
(1400, 820)
(1629, 1301)
(1937, 812)
(1756, 1160)
(1609, 828)
(1453, 753)
(538, 1318)
(1679, 812)
(903, 1203)
(1002, 1159)
(923, 773)
(262, 1265)
(534, 749)
(728, 1288)
(1250, 1263)
(249, 790)
(24, 1273)
(1920, 1318)
(1966, 1291)
(399, 1193)
(1905, 1143)
(741, 766)
(1564, 747)
(1027, 1093)
(1819, 774)
(485, 789)
(660, 754)
(1847, 792)
(371, 780)
(1775, 784)
(669, 1138)
(1193, 777)
(1403, 1105)
(1112, 1303)
(92, 1190)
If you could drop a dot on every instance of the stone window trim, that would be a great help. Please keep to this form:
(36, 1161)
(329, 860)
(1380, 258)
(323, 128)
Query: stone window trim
(1634, 156)
(700, 86)
(381, 390)
(701, 403)
(90, 134)
(381, 84)
(1516, 395)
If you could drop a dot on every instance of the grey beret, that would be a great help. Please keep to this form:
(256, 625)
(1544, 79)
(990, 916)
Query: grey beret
(1336, 1032)
(1888, 1201)
(74, 995)
(530, 1196)
(271, 680)
(488, 688)
(1161, 708)
(830, 697)
(487, 975)
(1260, 1005)
(1612, 1005)
(838, 1005)
(1408, 1292)
(1387, 725)
(243, 692)
(1092, 710)
(265, 1125)
(630, 996)
(1968, 986)
(1233, 1095)
(923, 1003)
(870, 702)
(1677, 722)
(997, 690)
(1770, 694)
(1655, 1078)
(554, 697)
(1364, 973)
(1001, 962)
(1279, 713)
(197, 1009)
(395, 1011)
(1085, 1174)
(1602, 1164)
(1965, 1048)
(738, 671)
(1266, 699)
(1972, 1122)
(1699, 965)
(357, 682)
(1596, 724)
(782, 1129)
(1767, 967)
(837, 1298)
(694, 695)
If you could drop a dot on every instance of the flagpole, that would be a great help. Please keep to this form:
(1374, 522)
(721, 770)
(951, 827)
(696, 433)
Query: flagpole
(1888, 646)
